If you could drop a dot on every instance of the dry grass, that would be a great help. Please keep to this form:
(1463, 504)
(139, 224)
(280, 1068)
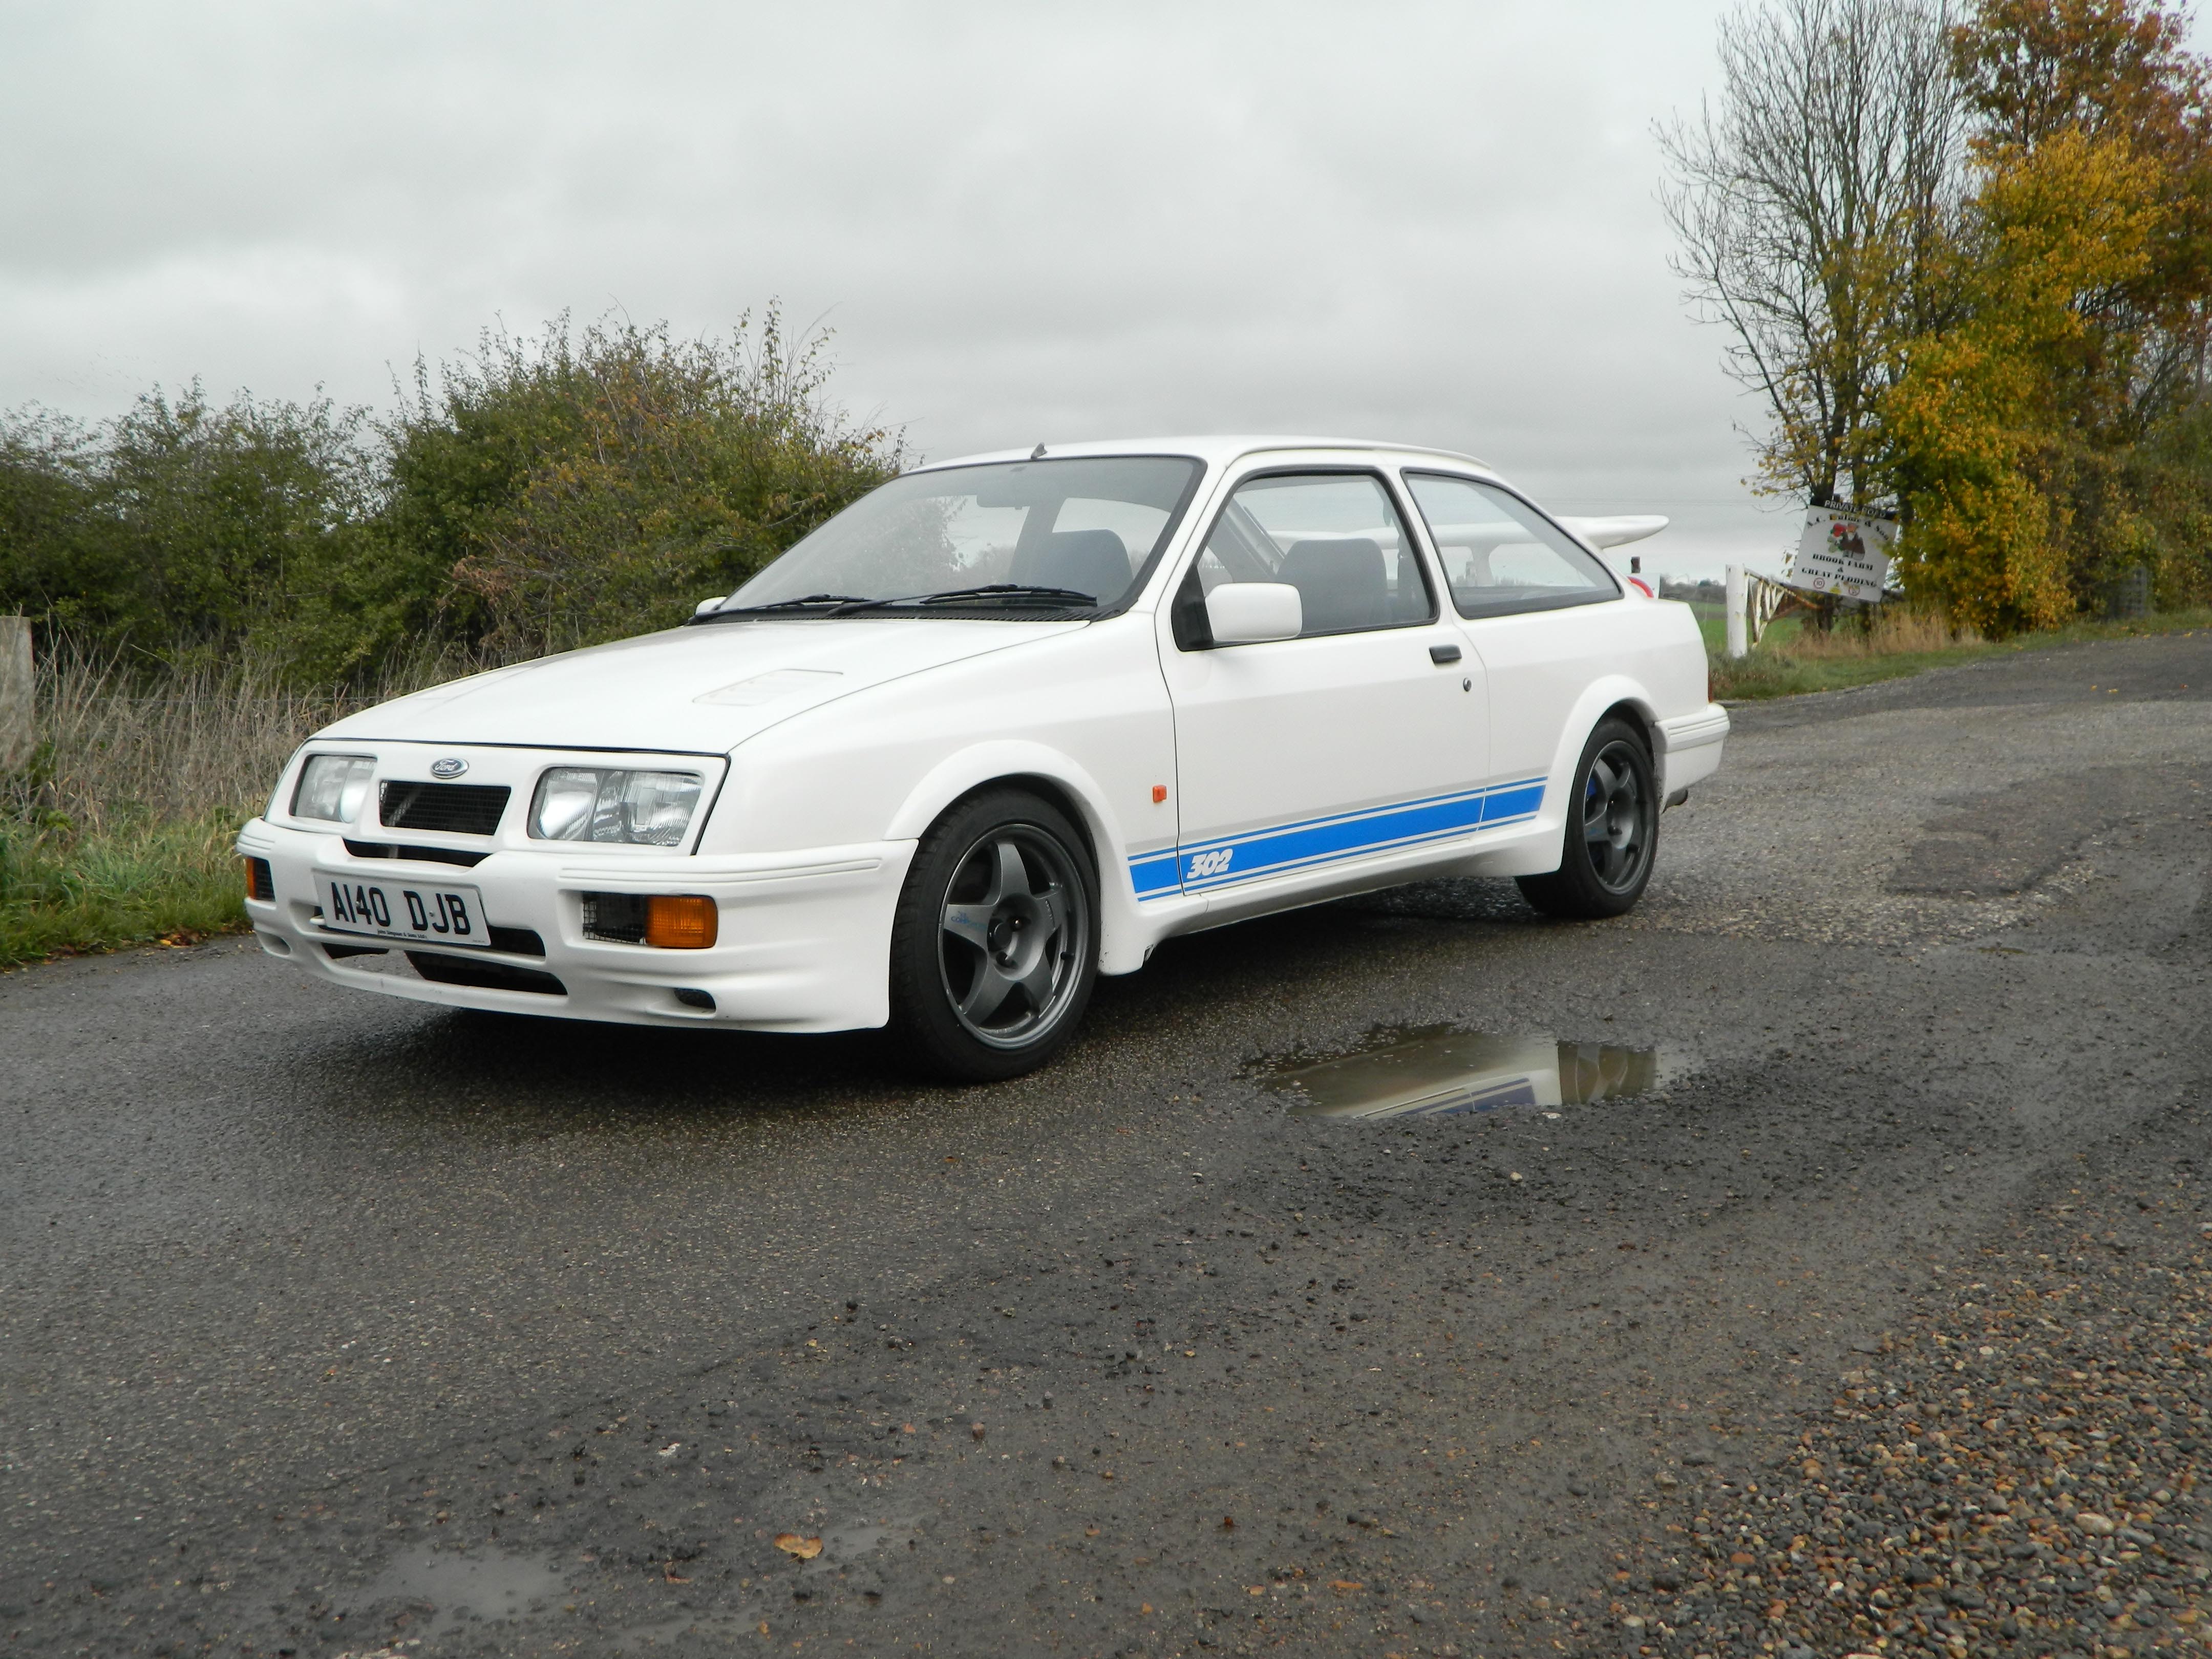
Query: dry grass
(1791, 657)
(121, 830)
(1894, 631)
(114, 752)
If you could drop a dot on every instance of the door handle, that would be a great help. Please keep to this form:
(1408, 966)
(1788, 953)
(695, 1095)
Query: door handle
(1440, 654)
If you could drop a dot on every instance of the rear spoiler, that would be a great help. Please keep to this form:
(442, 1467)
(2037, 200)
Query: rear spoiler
(1614, 531)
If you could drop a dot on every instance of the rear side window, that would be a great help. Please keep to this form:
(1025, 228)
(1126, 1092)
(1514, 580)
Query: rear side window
(1501, 556)
(1335, 537)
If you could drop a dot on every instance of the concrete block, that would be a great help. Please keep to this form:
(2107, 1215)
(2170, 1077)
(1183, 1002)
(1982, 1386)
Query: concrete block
(18, 734)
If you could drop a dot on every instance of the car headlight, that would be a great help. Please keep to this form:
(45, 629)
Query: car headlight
(591, 803)
(332, 787)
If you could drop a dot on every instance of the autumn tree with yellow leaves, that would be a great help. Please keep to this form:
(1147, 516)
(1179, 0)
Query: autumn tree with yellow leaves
(1980, 398)
(1992, 322)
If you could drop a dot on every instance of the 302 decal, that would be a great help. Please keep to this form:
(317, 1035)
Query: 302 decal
(1203, 864)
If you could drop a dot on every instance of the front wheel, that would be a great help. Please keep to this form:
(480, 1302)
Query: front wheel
(995, 946)
(1611, 833)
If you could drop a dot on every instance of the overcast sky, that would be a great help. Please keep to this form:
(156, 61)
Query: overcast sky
(1434, 224)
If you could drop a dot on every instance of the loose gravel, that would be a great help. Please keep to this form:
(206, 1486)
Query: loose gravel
(2015, 1472)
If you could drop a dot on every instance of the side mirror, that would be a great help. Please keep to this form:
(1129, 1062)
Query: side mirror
(705, 606)
(1248, 613)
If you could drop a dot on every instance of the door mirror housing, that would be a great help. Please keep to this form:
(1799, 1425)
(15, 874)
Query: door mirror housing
(1249, 613)
(705, 606)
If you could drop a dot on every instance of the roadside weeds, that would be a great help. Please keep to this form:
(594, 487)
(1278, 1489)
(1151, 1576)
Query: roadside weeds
(120, 830)
(1793, 661)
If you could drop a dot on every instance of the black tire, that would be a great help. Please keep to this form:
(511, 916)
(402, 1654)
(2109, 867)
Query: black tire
(995, 947)
(1612, 836)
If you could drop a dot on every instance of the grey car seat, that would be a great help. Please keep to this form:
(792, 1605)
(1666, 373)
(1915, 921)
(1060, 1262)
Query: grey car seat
(1092, 561)
(1342, 583)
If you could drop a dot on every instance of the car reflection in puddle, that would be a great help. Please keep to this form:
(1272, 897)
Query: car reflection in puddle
(1441, 1070)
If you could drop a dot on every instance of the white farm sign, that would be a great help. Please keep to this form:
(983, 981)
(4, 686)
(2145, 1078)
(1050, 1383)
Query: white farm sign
(1843, 554)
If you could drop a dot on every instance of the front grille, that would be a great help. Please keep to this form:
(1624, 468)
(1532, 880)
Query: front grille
(466, 857)
(516, 941)
(483, 975)
(450, 809)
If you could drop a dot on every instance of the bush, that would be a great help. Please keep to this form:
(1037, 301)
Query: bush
(547, 493)
(180, 527)
(592, 487)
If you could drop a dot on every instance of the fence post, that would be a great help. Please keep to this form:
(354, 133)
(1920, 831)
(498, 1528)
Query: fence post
(17, 738)
(1738, 619)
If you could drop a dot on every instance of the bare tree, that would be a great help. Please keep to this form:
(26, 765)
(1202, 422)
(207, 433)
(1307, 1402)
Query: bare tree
(1809, 200)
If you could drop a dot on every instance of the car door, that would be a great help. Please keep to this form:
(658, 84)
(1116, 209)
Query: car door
(1523, 589)
(1299, 761)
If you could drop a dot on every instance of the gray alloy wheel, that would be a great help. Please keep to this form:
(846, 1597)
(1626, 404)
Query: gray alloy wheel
(994, 946)
(1616, 821)
(1612, 835)
(1011, 937)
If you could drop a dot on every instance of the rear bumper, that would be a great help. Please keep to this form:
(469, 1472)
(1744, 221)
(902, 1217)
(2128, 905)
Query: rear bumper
(803, 938)
(1690, 747)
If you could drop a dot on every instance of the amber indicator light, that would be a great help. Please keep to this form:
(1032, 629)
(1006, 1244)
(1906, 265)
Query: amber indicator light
(680, 921)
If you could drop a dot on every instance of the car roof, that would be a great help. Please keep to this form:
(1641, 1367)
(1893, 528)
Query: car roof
(1219, 450)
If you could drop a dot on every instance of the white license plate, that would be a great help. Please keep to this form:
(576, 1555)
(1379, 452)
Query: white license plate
(408, 910)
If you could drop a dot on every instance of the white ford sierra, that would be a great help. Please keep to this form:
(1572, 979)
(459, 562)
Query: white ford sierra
(1000, 726)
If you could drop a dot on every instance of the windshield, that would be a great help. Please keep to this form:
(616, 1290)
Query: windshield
(1058, 536)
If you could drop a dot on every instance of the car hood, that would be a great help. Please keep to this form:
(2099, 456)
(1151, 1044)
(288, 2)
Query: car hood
(699, 690)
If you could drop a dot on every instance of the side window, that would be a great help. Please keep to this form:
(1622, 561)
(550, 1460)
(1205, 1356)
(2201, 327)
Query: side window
(1499, 555)
(1335, 537)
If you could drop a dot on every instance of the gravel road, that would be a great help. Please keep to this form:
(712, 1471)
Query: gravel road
(1850, 1296)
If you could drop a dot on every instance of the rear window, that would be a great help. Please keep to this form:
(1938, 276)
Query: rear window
(1500, 554)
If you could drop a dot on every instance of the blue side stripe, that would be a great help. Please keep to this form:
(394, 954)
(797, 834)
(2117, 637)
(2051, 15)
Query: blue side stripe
(1274, 852)
(1514, 801)
(1203, 866)
(1154, 873)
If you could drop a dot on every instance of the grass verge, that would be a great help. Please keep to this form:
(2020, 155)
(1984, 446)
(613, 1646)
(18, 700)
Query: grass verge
(1792, 659)
(121, 830)
(63, 892)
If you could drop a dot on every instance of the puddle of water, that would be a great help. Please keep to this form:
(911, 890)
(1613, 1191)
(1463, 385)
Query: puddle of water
(861, 1537)
(1441, 1071)
(496, 1585)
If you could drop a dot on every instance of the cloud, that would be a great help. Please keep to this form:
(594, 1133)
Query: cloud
(1434, 223)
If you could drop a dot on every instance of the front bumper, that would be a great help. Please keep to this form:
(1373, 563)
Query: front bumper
(804, 941)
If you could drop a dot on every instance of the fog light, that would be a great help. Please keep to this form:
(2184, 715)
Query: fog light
(681, 921)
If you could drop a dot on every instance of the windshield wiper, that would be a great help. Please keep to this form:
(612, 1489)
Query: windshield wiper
(798, 603)
(1011, 591)
(990, 591)
(846, 605)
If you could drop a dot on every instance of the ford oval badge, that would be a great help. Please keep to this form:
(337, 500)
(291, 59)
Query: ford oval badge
(452, 767)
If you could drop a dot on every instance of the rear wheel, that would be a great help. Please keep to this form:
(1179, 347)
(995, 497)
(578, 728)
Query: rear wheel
(995, 946)
(1611, 833)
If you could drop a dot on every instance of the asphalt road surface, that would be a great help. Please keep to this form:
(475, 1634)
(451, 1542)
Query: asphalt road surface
(331, 1324)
